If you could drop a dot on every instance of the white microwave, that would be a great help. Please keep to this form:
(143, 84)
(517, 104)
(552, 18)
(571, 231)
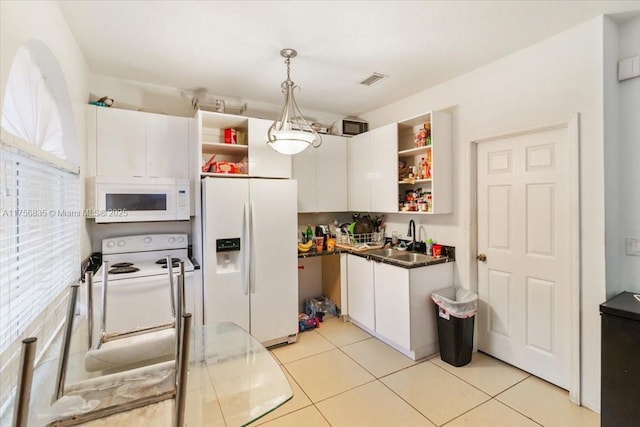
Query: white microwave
(124, 199)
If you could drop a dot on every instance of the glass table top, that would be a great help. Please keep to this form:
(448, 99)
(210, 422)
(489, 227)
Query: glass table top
(232, 381)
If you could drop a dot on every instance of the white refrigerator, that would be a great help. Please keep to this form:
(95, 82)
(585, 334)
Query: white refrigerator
(250, 266)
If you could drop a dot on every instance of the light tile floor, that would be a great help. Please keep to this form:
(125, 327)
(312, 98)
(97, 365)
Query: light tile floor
(341, 376)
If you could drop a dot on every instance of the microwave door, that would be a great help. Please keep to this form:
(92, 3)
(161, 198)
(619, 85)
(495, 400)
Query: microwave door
(136, 202)
(134, 205)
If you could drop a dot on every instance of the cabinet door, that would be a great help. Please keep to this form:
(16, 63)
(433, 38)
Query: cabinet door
(304, 171)
(264, 161)
(442, 162)
(120, 143)
(358, 175)
(360, 291)
(384, 169)
(167, 144)
(392, 303)
(331, 174)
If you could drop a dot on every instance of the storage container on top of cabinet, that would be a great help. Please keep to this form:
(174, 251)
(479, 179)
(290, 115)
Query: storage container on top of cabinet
(247, 154)
(425, 164)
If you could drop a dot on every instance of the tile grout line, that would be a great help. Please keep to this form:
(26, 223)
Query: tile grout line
(410, 405)
(484, 403)
(282, 366)
(474, 386)
(514, 409)
(529, 375)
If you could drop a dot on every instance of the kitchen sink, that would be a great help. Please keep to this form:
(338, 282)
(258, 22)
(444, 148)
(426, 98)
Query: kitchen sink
(412, 257)
(386, 253)
(400, 256)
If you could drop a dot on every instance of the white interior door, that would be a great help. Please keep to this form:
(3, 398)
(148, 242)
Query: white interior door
(524, 287)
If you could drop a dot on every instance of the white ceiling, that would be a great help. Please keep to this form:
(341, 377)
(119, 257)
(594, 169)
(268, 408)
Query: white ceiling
(232, 47)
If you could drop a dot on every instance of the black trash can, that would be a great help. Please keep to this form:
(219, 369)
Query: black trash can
(455, 310)
(620, 372)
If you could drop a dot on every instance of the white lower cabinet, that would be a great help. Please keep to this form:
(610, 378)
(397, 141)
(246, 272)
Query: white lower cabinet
(394, 303)
(360, 291)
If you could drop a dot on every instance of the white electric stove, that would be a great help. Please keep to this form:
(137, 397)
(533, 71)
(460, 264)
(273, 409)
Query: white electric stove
(138, 290)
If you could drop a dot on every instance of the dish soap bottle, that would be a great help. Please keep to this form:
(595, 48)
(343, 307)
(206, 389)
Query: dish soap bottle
(429, 243)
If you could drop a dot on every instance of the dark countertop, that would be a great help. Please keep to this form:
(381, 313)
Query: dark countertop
(391, 261)
(385, 260)
(313, 253)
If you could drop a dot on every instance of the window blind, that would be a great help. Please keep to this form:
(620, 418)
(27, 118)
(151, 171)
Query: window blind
(39, 241)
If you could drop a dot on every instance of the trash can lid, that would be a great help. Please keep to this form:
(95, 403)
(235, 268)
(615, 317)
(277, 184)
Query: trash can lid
(625, 304)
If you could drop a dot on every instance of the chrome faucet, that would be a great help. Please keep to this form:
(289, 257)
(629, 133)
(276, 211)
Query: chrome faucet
(412, 224)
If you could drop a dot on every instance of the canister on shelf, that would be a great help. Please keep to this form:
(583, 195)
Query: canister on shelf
(230, 136)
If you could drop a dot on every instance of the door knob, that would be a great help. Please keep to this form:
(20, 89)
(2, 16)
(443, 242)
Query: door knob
(482, 257)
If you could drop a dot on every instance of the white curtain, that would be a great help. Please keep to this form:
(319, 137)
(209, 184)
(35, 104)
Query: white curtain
(37, 107)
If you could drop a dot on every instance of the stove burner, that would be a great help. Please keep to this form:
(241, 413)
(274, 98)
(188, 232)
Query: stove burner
(173, 264)
(163, 261)
(122, 264)
(123, 270)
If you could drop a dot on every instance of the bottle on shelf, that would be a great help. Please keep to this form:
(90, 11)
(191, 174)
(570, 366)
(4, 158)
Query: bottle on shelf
(309, 233)
(427, 128)
(424, 170)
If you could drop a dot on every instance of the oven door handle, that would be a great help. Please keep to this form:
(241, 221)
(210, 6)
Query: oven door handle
(246, 245)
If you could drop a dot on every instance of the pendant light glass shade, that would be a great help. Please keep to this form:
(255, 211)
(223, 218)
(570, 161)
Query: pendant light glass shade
(290, 133)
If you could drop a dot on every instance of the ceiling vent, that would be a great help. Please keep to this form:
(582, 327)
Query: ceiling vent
(373, 78)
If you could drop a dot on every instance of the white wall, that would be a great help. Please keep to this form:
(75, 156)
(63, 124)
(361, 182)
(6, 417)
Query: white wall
(132, 95)
(24, 21)
(543, 83)
(629, 146)
(614, 251)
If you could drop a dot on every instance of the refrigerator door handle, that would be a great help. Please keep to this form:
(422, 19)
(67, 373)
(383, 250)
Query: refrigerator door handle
(246, 245)
(252, 281)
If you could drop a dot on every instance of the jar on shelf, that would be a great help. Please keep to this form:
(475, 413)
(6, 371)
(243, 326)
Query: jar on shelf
(420, 138)
(427, 129)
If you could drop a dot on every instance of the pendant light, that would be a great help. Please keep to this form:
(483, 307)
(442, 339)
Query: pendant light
(290, 133)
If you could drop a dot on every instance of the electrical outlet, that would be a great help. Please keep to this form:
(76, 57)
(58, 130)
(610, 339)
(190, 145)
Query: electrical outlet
(632, 246)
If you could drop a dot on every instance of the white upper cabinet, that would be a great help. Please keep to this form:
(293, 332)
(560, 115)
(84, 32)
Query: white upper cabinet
(304, 171)
(167, 142)
(120, 142)
(322, 176)
(358, 176)
(373, 170)
(384, 169)
(249, 155)
(264, 161)
(138, 144)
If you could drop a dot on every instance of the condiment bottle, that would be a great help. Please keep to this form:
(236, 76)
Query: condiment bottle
(424, 174)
